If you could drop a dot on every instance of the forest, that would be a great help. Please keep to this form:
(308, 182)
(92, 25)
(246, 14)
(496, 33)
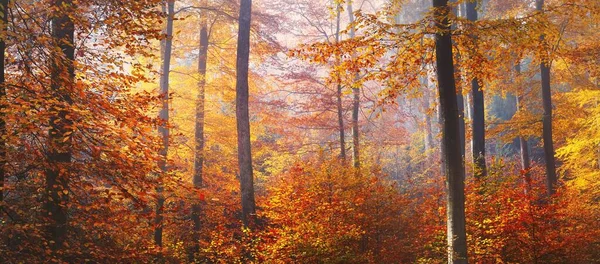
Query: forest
(300, 131)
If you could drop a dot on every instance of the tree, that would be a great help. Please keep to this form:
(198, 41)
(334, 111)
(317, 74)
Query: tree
(338, 95)
(428, 137)
(460, 100)
(68, 150)
(545, 65)
(242, 113)
(478, 123)
(578, 110)
(166, 47)
(355, 102)
(523, 145)
(60, 152)
(3, 102)
(199, 126)
(453, 164)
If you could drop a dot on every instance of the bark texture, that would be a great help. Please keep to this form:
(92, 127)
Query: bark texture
(199, 130)
(551, 178)
(243, 115)
(453, 165)
(163, 130)
(460, 100)
(3, 102)
(478, 113)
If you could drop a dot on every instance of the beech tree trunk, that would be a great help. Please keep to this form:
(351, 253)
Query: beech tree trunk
(199, 133)
(478, 122)
(340, 114)
(426, 106)
(62, 76)
(547, 119)
(355, 103)
(242, 113)
(451, 147)
(460, 101)
(167, 45)
(3, 104)
(340, 108)
(524, 146)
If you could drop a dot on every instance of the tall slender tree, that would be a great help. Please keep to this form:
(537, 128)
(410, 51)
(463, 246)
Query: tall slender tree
(339, 94)
(460, 102)
(199, 132)
(523, 145)
(62, 77)
(167, 46)
(453, 165)
(242, 113)
(3, 156)
(426, 105)
(478, 113)
(545, 65)
(355, 102)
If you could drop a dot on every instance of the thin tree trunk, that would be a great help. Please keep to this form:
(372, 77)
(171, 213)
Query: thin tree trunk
(164, 116)
(426, 106)
(478, 122)
(547, 119)
(460, 102)
(355, 112)
(454, 167)
(242, 113)
(340, 109)
(525, 161)
(340, 114)
(3, 102)
(355, 103)
(60, 143)
(199, 133)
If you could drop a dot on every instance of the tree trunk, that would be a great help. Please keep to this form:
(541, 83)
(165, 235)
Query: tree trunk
(478, 122)
(3, 102)
(469, 109)
(460, 101)
(242, 113)
(340, 109)
(167, 45)
(59, 146)
(524, 146)
(547, 119)
(451, 147)
(199, 134)
(426, 106)
(340, 113)
(355, 103)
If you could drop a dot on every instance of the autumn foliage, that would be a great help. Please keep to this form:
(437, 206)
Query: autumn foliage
(86, 177)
